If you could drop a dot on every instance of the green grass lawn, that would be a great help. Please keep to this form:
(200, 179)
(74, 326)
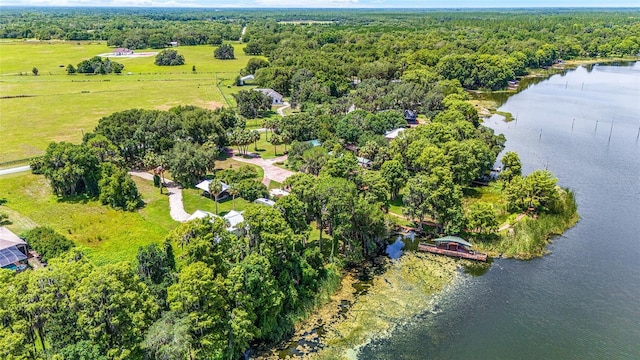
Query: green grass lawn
(104, 234)
(265, 149)
(61, 107)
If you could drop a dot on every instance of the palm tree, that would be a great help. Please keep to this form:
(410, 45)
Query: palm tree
(255, 136)
(215, 189)
(233, 191)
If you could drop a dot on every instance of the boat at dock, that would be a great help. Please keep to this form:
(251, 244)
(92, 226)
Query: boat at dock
(453, 246)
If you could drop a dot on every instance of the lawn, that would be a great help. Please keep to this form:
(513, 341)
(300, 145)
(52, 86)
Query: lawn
(59, 107)
(265, 149)
(104, 234)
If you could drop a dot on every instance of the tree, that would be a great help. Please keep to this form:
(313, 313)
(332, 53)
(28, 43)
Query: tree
(254, 64)
(71, 69)
(199, 296)
(241, 138)
(47, 242)
(224, 52)
(511, 166)
(233, 191)
(215, 189)
(156, 267)
(169, 57)
(481, 218)
(35, 71)
(168, 338)
(275, 141)
(71, 169)
(395, 175)
(437, 196)
(188, 163)
(114, 308)
(117, 189)
(294, 214)
(536, 192)
(252, 104)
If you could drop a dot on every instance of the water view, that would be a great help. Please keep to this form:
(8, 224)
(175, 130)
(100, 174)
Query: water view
(580, 301)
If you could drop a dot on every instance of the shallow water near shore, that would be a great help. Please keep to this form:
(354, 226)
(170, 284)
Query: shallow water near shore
(581, 301)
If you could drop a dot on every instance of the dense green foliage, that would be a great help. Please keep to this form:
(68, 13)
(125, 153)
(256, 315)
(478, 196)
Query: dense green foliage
(117, 189)
(169, 57)
(224, 52)
(252, 104)
(96, 65)
(48, 243)
(71, 169)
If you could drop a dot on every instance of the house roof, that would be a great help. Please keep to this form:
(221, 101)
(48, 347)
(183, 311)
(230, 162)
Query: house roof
(264, 201)
(9, 239)
(393, 133)
(278, 192)
(248, 77)
(233, 218)
(454, 239)
(122, 50)
(201, 214)
(363, 161)
(204, 186)
(271, 93)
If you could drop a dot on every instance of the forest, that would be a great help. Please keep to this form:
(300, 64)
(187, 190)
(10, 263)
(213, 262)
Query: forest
(205, 292)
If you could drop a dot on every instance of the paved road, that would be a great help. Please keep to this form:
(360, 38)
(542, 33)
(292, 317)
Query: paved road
(15, 170)
(176, 207)
(285, 105)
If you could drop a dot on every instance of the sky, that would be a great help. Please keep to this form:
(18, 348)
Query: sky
(330, 3)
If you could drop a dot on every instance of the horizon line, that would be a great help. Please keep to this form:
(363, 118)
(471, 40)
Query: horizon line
(231, 7)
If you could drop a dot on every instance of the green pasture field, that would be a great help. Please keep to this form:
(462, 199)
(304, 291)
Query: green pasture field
(104, 234)
(54, 106)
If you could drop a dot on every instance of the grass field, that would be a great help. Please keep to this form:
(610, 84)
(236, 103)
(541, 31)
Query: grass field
(58, 107)
(104, 234)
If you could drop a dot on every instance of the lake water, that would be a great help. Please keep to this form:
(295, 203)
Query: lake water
(582, 301)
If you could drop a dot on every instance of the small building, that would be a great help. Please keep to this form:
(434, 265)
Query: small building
(411, 116)
(244, 79)
(390, 135)
(232, 219)
(365, 163)
(204, 186)
(278, 193)
(122, 52)
(173, 43)
(13, 251)
(263, 201)
(276, 97)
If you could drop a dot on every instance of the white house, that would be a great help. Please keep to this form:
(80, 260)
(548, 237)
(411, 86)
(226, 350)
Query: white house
(122, 52)
(276, 97)
(278, 193)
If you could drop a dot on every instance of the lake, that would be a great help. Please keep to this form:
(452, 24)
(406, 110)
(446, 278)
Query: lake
(582, 301)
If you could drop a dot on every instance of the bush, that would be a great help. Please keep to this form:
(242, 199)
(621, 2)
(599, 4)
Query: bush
(250, 190)
(169, 58)
(224, 52)
(48, 243)
(117, 189)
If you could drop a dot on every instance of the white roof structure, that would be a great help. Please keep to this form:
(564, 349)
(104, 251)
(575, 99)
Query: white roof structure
(12, 248)
(204, 186)
(201, 214)
(390, 135)
(278, 193)
(263, 201)
(9, 239)
(248, 77)
(233, 218)
(271, 93)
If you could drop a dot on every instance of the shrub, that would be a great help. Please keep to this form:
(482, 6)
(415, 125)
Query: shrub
(117, 189)
(169, 58)
(48, 243)
(224, 52)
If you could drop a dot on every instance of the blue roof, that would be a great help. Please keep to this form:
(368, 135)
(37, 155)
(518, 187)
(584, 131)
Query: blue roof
(314, 142)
